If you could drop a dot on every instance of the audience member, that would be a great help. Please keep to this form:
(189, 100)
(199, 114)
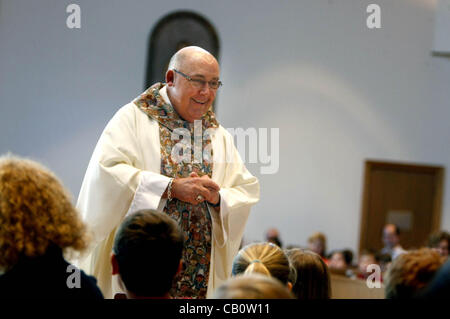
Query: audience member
(39, 224)
(391, 240)
(317, 243)
(340, 262)
(366, 258)
(267, 259)
(313, 277)
(384, 260)
(147, 254)
(253, 286)
(439, 287)
(440, 242)
(273, 236)
(410, 272)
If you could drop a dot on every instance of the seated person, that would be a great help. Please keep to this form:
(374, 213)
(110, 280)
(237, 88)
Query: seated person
(366, 258)
(340, 262)
(391, 240)
(439, 287)
(313, 277)
(252, 286)
(317, 243)
(147, 254)
(384, 260)
(410, 272)
(267, 259)
(440, 242)
(273, 236)
(39, 224)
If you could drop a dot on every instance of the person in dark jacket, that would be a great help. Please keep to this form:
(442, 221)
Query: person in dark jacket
(39, 225)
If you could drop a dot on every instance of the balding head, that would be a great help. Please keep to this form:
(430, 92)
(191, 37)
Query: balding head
(187, 68)
(182, 57)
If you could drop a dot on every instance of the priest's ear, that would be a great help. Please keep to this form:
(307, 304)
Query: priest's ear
(115, 265)
(170, 76)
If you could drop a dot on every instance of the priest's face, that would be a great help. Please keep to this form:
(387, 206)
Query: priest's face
(192, 98)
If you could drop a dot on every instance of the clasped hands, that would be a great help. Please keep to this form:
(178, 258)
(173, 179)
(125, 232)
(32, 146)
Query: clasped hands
(195, 189)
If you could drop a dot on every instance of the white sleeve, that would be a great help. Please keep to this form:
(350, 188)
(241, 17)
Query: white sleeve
(239, 190)
(117, 180)
(149, 192)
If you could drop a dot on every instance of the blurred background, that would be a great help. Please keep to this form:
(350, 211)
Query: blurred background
(363, 114)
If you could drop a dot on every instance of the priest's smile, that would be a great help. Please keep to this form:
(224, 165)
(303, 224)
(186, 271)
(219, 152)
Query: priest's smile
(196, 101)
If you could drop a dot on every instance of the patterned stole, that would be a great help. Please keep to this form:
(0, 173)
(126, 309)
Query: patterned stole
(194, 220)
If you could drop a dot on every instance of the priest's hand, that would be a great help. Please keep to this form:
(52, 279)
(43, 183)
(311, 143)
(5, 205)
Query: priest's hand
(215, 198)
(195, 190)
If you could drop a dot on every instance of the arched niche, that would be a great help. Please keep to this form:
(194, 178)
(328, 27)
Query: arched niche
(173, 32)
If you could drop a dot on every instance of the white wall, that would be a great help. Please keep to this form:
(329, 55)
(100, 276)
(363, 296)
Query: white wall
(339, 93)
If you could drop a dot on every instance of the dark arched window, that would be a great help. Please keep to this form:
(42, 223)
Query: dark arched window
(173, 32)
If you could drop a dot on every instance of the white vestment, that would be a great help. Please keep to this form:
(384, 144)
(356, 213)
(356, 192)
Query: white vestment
(123, 176)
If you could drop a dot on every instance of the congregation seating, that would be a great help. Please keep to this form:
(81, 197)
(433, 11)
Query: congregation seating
(346, 288)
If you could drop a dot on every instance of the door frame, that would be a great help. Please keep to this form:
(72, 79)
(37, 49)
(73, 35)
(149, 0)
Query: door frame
(370, 165)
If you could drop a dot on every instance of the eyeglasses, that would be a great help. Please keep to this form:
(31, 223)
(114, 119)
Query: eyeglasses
(199, 83)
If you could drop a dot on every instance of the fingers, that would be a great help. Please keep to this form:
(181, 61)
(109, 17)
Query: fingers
(207, 195)
(189, 189)
(208, 183)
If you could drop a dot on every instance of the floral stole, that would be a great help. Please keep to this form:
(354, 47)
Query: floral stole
(194, 220)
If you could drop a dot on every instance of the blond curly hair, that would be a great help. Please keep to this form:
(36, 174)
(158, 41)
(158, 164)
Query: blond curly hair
(35, 212)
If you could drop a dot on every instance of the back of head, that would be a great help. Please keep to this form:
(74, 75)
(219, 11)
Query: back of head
(439, 287)
(348, 257)
(254, 286)
(273, 236)
(313, 277)
(410, 272)
(318, 243)
(264, 258)
(36, 212)
(148, 247)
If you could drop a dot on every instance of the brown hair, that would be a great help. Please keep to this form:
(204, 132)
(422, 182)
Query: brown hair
(436, 238)
(318, 236)
(35, 212)
(411, 272)
(252, 286)
(313, 276)
(264, 258)
(148, 247)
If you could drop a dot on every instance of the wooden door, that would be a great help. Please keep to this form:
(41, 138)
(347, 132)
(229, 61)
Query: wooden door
(407, 195)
